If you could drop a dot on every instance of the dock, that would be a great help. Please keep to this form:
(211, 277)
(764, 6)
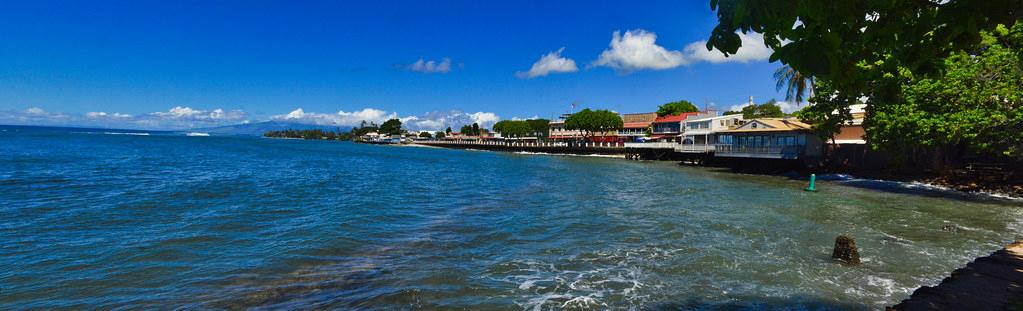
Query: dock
(993, 282)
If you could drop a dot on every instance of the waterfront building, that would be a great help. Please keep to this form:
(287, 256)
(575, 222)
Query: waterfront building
(769, 138)
(852, 133)
(454, 136)
(557, 131)
(635, 126)
(700, 133)
(668, 128)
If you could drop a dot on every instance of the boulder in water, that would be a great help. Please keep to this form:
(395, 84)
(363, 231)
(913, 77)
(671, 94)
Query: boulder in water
(845, 250)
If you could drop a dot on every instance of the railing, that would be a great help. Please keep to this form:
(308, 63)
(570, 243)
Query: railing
(785, 151)
(525, 144)
(694, 148)
(656, 145)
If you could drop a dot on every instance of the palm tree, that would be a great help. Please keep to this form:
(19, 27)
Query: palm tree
(797, 85)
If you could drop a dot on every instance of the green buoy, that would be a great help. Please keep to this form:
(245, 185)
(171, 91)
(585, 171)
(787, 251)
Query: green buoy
(813, 183)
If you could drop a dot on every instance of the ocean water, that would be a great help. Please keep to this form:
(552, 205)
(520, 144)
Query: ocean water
(103, 219)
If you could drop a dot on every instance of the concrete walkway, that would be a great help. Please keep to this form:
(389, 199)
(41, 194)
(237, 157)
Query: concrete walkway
(993, 282)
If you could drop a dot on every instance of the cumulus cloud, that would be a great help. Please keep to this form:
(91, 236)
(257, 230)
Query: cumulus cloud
(431, 66)
(550, 63)
(342, 118)
(752, 49)
(176, 118)
(430, 121)
(786, 107)
(35, 111)
(439, 120)
(101, 114)
(638, 50)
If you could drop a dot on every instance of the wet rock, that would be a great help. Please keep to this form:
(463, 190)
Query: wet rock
(845, 250)
(950, 228)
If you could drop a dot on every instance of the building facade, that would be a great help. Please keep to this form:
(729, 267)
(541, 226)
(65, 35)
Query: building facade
(700, 134)
(636, 126)
(769, 138)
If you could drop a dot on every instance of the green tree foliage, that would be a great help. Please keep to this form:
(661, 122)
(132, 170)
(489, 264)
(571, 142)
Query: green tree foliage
(425, 134)
(676, 108)
(522, 128)
(590, 122)
(832, 39)
(309, 134)
(731, 112)
(391, 127)
(513, 128)
(471, 129)
(797, 86)
(364, 128)
(539, 127)
(448, 130)
(863, 48)
(827, 114)
(440, 134)
(975, 103)
(769, 109)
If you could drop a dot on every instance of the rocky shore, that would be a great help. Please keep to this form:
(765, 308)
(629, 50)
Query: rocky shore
(1002, 188)
(993, 282)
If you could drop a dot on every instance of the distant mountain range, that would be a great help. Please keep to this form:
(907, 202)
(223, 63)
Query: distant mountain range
(258, 128)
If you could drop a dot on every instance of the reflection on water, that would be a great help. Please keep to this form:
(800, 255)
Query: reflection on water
(107, 221)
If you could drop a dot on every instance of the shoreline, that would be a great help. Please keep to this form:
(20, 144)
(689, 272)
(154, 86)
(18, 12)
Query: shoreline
(1008, 192)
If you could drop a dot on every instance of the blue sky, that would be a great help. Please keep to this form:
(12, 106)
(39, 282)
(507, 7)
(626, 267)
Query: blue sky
(181, 64)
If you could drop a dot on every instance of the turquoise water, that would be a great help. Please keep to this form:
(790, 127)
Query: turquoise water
(105, 220)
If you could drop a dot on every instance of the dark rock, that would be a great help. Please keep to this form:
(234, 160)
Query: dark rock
(845, 250)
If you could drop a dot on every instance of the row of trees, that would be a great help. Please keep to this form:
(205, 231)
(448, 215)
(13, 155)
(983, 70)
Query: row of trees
(770, 109)
(309, 134)
(590, 122)
(938, 77)
(522, 128)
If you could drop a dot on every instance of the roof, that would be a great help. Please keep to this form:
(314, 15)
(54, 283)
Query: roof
(632, 125)
(639, 117)
(678, 118)
(772, 125)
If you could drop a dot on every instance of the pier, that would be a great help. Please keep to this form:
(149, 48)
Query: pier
(703, 155)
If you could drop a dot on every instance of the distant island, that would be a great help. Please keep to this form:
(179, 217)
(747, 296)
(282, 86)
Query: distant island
(318, 134)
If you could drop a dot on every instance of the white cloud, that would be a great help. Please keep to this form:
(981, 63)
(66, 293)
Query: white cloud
(431, 66)
(484, 117)
(101, 114)
(439, 120)
(35, 111)
(786, 107)
(430, 121)
(187, 113)
(340, 118)
(638, 50)
(752, 49)
(551, 62)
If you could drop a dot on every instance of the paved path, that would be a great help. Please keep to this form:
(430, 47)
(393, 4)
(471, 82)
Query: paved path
(993, 282)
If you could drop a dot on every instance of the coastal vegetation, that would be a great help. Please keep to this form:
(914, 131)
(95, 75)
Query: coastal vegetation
(589, 122)
(521, 128)
(470, 129)
(676, 108)
(309, 134)
(941, 81)
(391, 127)
(769, 109)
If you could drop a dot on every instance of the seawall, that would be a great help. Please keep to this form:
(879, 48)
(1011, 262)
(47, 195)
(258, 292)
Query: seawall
(603, 149)
(993, 282)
